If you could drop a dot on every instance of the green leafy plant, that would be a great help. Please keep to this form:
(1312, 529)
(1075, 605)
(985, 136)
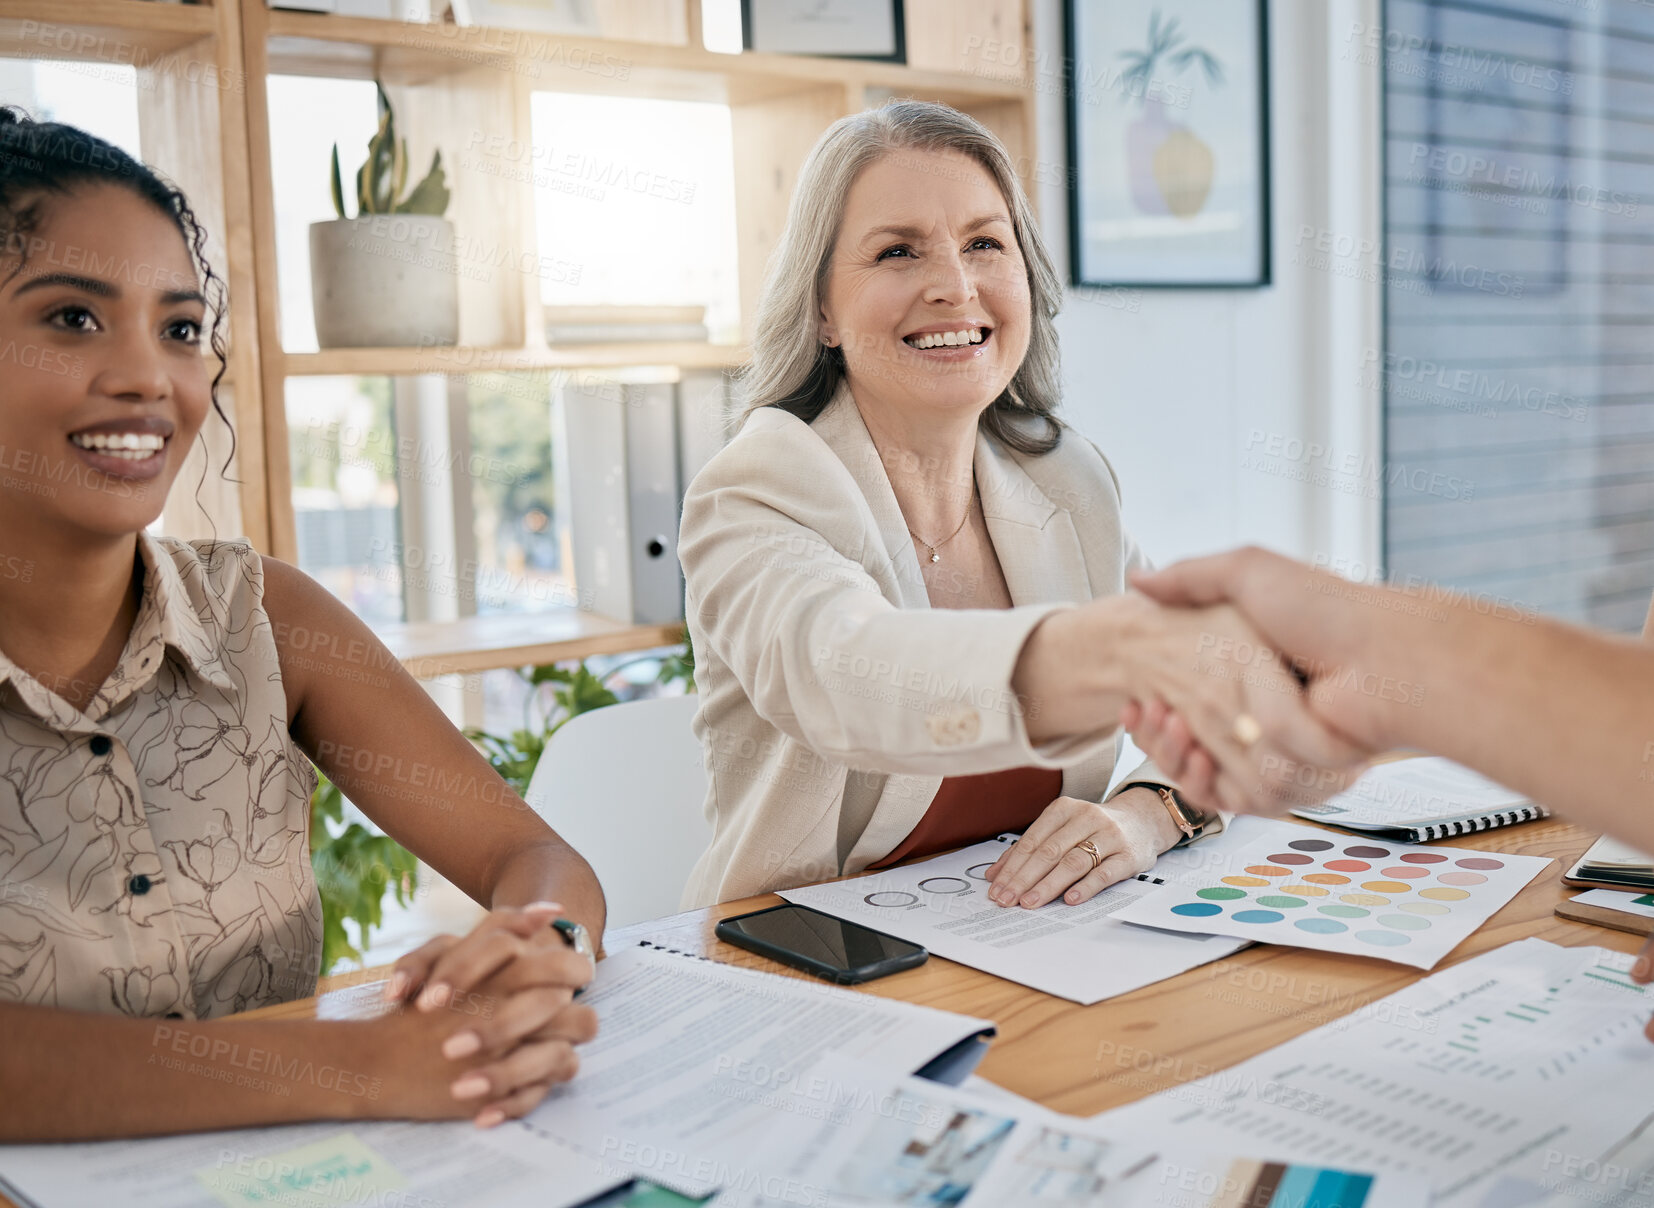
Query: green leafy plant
(354, 869)
(383, 175)
(1165, 42)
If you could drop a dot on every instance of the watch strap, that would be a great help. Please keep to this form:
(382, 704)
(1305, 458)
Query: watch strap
(1192, 822)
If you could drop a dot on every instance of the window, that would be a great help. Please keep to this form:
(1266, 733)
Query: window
(1518, 372)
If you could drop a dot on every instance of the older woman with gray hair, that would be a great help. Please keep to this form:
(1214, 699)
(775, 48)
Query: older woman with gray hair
(906, 577)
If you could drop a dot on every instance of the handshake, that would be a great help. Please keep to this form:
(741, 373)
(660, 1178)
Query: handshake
(1259, 684)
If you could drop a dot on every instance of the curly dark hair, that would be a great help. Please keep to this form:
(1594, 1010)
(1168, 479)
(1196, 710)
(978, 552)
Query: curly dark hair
(50, 157)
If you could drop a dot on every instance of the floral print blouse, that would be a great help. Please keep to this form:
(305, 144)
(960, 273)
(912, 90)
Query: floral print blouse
(154, 848)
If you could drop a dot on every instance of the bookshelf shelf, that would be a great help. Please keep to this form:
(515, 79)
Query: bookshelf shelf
(462, 359)
(100, 31)
(432, 648)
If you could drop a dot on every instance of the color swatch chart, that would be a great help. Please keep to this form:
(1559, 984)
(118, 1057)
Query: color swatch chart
(1399, 902)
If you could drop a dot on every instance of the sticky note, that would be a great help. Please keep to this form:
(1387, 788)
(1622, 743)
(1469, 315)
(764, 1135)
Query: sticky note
(330, 1172)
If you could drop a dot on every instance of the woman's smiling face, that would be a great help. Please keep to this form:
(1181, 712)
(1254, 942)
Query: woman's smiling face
(104, 387)
(927, 292)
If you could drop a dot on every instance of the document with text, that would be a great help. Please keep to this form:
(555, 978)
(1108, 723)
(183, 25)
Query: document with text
(405, 1165)
(1081, 953)
(1519, 1078)
(693, 1057)
(882, 1139)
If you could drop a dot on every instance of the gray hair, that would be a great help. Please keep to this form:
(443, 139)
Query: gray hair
(793, 370)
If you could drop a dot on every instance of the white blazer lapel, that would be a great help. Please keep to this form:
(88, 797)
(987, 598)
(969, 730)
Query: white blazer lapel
(840, 426)
(1038, 547)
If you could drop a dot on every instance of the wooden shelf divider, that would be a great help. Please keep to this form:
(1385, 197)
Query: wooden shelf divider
(462, 359)
(432, 648)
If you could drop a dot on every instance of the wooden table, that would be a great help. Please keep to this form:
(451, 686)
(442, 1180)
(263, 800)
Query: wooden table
(1084, 1059)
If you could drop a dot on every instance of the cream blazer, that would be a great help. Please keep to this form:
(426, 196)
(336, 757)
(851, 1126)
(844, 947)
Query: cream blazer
(833, 697)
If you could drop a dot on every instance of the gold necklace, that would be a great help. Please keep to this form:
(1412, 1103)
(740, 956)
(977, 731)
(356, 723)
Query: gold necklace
(934, 555)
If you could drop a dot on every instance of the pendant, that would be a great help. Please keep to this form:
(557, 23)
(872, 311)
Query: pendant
(935, 557)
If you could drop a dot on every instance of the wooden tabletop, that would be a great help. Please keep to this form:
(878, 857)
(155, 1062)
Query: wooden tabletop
(1085, 1059)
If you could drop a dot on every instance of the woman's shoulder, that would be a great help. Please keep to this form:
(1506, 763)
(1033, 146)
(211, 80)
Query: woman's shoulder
(772, 449)
(1075, 470)
(222, 582)
(214, 565)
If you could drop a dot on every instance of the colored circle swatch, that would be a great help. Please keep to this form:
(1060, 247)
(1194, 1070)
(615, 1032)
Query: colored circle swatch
(1310, 845)
(1287, 857)
(1348, 865)
(1424, 908)
(1258, 916)
(1367, 853)
(1219, 894)
(1267, 870)
(1198, 909)
(1281, 902)
(1404, 922)
(1480, 862)
(1462, 878)
(1320, 926)
(1423, 857)
(1445, 895)
(1382, 939)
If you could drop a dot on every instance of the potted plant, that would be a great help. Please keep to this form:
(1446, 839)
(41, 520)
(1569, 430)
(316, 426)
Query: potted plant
(1169, 167)
(387, 277)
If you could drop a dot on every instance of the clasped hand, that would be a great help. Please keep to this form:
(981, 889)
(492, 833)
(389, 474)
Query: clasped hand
(488, 1023)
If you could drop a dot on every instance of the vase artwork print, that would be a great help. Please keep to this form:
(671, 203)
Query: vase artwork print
(1169, 143)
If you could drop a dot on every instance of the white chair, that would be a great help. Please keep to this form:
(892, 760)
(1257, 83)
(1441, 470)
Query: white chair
(626, 786)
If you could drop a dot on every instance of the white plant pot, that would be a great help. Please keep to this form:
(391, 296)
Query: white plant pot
(384, 281)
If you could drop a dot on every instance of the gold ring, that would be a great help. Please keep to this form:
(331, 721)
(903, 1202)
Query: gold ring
(1090, 849)
(1247, 730)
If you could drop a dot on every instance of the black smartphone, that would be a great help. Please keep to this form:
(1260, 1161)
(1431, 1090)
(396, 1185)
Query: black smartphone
(818, 943)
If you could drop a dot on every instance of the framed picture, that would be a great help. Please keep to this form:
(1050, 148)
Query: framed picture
(844, 29)
(1168, 142)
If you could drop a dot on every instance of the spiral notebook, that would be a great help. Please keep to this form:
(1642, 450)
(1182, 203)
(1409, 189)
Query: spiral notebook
(1417, 800)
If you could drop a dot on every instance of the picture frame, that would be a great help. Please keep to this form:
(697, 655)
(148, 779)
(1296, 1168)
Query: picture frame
(1168, 143)
(838, 29)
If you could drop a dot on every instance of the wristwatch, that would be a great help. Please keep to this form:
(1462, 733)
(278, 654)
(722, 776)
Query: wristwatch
(577, 937)
(1191, 821)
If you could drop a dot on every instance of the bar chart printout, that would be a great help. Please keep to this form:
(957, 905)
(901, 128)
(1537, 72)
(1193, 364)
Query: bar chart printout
(1504, 1081)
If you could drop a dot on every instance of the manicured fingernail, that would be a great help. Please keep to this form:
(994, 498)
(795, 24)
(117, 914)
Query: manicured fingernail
(435, 995)
(488, 1117)
(1073, 898)
(1031, 901)
(1002, 896)
(469, 1087)
(461, 1044)
(1642, 968)
(552, 906)
(397, 986)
